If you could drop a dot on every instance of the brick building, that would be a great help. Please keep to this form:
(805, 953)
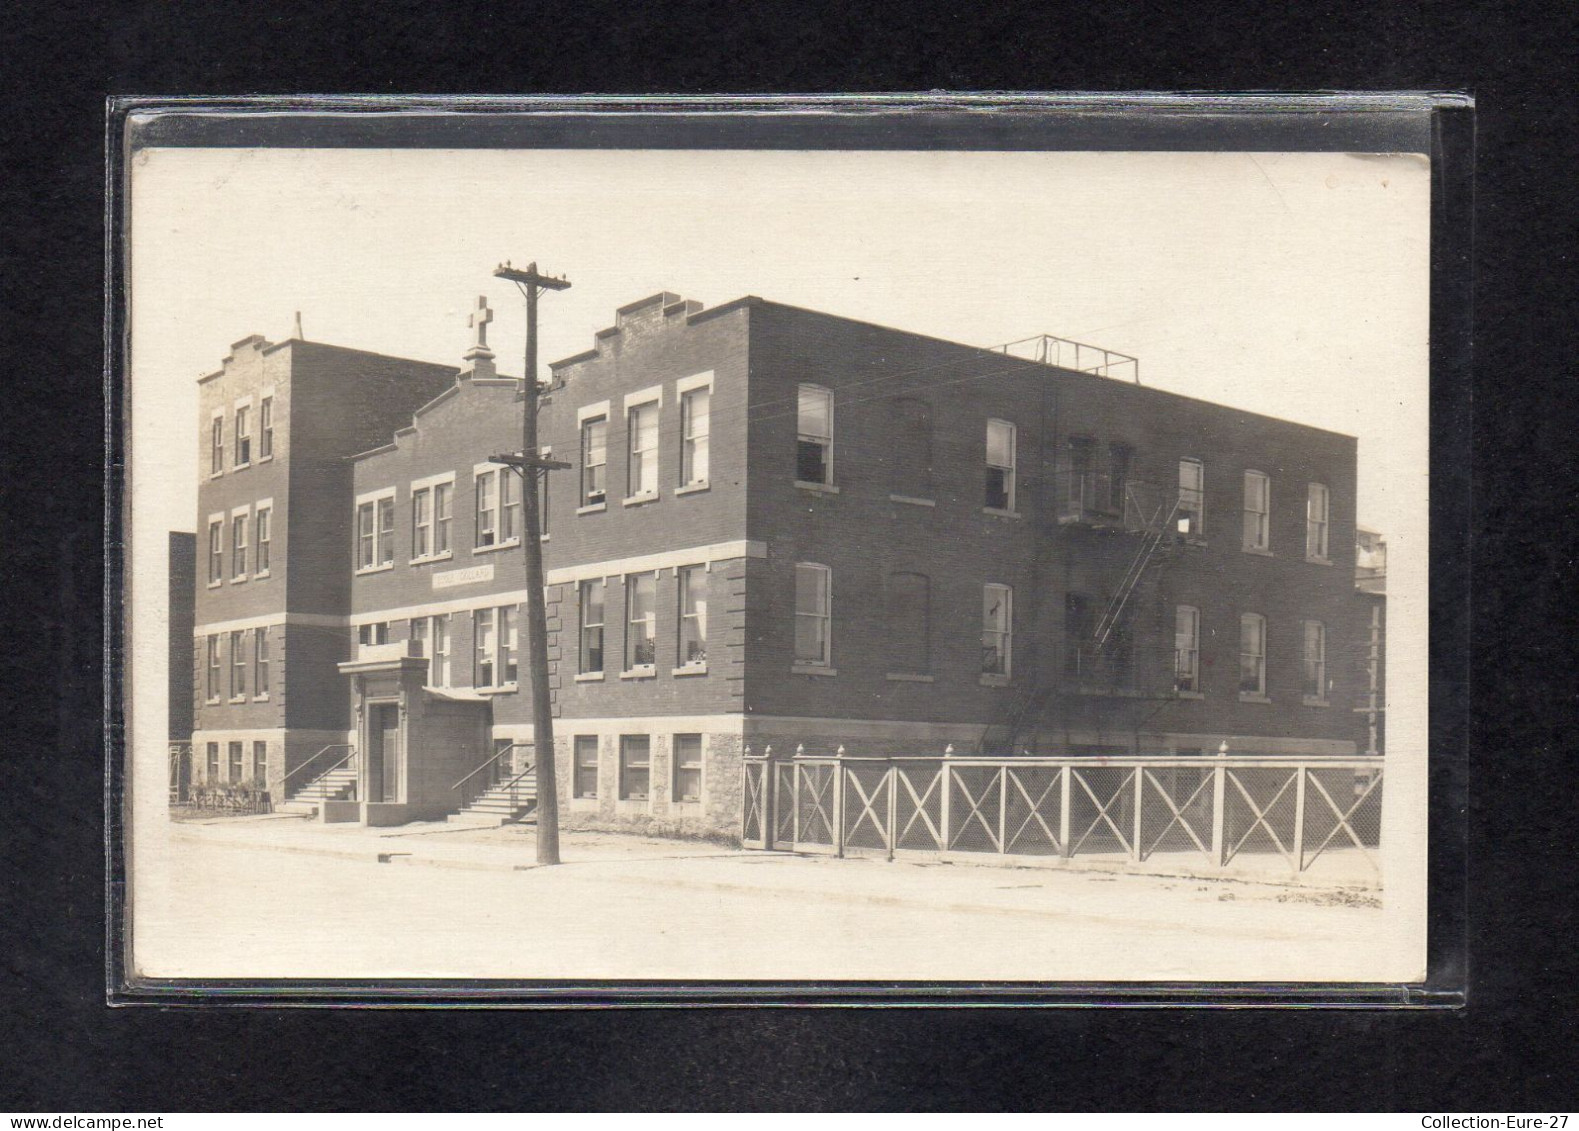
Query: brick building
(780, 528)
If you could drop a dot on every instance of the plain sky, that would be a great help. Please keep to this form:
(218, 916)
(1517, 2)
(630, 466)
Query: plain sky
(1288, 284)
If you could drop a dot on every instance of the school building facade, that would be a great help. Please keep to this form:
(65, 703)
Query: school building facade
(780, 528)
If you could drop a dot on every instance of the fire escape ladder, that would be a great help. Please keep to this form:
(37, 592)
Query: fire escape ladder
(1153, 535)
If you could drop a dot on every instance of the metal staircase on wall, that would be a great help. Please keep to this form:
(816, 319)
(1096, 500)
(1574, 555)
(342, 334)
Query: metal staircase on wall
(1155, 526)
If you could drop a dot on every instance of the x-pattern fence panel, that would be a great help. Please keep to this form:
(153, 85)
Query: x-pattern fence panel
(1271, 813)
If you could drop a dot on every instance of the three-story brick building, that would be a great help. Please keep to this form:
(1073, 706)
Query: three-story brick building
(786, 528)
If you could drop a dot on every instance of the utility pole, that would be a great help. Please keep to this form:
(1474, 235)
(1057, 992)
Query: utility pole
(531, 465)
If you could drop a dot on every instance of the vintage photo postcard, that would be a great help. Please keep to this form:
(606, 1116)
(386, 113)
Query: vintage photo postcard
(840, 565)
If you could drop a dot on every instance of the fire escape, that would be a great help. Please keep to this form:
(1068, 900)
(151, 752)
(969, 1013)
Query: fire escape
(1098, 658)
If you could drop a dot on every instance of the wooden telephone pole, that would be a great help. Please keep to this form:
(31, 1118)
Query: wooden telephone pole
(531, 465)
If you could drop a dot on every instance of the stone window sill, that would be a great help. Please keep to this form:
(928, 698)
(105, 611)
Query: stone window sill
(1189, 695)
(1258, 552)
(592, 508)
(507, 544)
(215, 584)
(266, 459)
(912, 500)
(429, 559)
(1315, 701)
(589, 677)
(816, 488)
(812, 669)
(241, 466)
(997, 512)
(639, 499)
(264, 576)
(264, 698)
(501, 689)
(988, 679)
(241, 580)
(693, 488)
(644, 671)
(1314, 560)
(908, 677)
(689, 669)
(375, 569)
(1253, 697)
(238, 698)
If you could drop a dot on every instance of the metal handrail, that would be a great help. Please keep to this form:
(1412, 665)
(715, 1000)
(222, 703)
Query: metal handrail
(351, 747)
(531, 769)
(496, 756)
(1079, 761)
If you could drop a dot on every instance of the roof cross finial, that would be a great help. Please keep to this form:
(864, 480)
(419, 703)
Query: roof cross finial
(478, 321)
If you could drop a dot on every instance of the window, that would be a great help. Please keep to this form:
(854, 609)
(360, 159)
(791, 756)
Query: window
(260, 758)
(814, 427)
(635, 762)
(909, 623)
(594, 460)
(430, 638)
(687, 767)
(216, 457)
(1317, 505)
(1315, 657)
(1258, 511)
(508, 644)
(586, 767)
(1192, 499)
(495, 633)
(235, 762)
(1000, 465)
(238, 664)
(692, 584)
(592, 626)
(386, 530)
(510, 525)
(265, 514)
(366, 539)
(1077, 634)
(695, 431)
(813, 612)
(216, 552)
(213, 669)
(1119, 457)
(238, 547)
(1186, 649)
(213, 762)
(1252, 654)
(377, 633)
(266, 428)
(997, 630)
(260, 661)
(422, 522)
(1081, 493)
(243, 437)
(487, 509)
(441, 517)
(911, 457)
(642, 473)
(641, 634)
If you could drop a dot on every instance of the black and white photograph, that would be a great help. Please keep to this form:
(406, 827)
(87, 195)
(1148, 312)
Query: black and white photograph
(664, 565)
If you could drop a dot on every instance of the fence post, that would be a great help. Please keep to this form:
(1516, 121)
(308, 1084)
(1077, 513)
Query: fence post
(795, 792)
(1219, 797)
(1299, 819)
(838, 804)
(893, 806)
(946, 784)
(1003, 809)
(1065, 849)
(1140, 796)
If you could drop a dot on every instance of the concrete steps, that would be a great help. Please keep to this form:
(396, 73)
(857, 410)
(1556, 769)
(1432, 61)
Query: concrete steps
(502, 804)
(336, 785)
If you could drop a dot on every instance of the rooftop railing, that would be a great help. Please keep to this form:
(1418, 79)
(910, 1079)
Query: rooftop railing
(1066, 354)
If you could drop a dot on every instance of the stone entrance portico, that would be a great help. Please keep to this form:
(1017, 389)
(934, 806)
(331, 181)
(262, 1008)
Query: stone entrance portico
(415, 742)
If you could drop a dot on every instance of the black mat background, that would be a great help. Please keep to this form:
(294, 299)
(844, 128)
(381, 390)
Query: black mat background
(1512, 1048)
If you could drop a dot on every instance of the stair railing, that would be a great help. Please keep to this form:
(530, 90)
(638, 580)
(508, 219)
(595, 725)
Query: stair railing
(497, 754)
(350, 753)
(510, 785)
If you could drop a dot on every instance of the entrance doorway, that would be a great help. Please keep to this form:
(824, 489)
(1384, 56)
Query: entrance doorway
(383, 753)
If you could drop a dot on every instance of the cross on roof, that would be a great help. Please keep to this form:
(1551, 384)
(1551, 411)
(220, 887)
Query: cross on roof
(479, 321)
